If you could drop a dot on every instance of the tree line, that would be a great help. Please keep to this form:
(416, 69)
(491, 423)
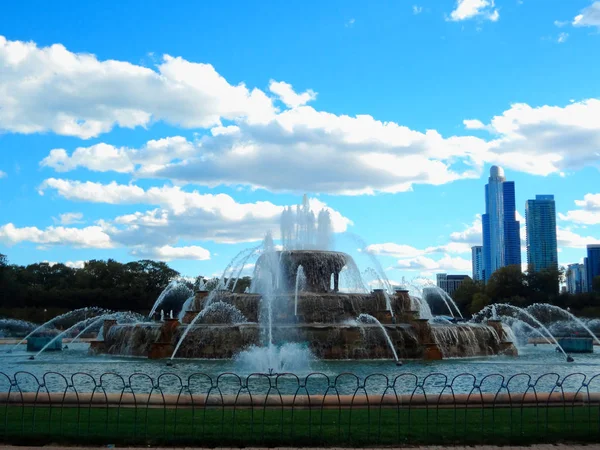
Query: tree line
(511, 285)
(109, 284)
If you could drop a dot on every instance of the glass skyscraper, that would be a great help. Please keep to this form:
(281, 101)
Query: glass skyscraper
(501, 239)
(592, 264)
(477, 262)
(542, 248)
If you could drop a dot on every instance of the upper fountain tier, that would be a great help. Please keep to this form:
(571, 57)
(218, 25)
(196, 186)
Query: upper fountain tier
(318, 267)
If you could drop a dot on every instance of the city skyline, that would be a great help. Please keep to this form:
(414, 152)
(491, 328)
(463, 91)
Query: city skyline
(185, 144)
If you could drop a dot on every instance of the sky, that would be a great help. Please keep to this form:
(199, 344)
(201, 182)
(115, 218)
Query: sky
(180, 130)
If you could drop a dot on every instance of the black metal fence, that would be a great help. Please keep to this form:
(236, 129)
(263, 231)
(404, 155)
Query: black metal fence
(287, 409)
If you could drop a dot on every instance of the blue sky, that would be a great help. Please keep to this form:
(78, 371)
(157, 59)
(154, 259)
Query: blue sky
(179, 130)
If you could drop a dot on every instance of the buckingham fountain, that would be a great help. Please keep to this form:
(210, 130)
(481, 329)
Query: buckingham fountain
(307, 298)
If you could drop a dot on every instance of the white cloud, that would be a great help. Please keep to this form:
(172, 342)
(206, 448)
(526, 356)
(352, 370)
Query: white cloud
(562, 38)
(546, 139)
(75, 94)
(469, 9)
(168, 253)
(2, 174)
(350, 23)
(589, 212)
(104, 157)
(181, 214)
(471, 235)
(568, 238)
(427, 265)
(69, 218)
(301, 149)
(417, 9)
(89, 237)
(288, 96)
(589, 17)
(560, 23)
(75, 264)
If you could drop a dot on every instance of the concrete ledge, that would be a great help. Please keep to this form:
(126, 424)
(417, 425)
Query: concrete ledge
(186, 400)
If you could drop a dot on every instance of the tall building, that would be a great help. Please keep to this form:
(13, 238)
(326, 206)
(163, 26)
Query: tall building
(501, 239)
(592, 264)
(540, 219)
(477, 262)
(576, 279)
(450, 283)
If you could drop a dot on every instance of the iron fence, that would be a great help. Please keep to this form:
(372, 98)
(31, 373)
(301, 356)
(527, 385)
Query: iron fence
(287, 409)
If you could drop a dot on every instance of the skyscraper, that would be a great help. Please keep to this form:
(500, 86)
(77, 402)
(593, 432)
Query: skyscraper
(576, 278)
(540, 218)
(501, 240)
(592, 265)
(477, 262)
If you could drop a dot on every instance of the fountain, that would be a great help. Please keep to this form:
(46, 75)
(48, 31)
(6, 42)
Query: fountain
(304, 300)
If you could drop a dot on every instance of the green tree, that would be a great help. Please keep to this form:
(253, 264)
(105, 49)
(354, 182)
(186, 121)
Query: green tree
(463, 296)
(545, 283)
(505, 283)
(480, 301)
(596, 284)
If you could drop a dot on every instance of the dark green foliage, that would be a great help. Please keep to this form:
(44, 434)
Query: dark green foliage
(105, 284)
(298, 427)
(510, 285)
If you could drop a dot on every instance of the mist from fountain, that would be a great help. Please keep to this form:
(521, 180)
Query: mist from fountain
(56, 319)
(366, 319)
(383, 287)
(290, 357)
(571, 316)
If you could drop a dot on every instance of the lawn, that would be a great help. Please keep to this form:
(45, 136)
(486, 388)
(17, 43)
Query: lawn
(298, 427)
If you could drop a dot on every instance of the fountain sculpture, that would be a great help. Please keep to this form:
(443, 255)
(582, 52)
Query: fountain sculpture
(296, 298)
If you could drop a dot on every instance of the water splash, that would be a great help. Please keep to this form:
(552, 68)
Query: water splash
(289, 357)
(571, 316)
(369, 319)
(522, 311)
(300, 280)
(67, 315)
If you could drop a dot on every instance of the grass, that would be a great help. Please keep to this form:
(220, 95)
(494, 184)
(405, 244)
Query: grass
(280, 427)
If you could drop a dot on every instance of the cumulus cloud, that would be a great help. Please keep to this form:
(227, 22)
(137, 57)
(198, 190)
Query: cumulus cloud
(469, 9)
(69, 218)
(169, 253)
(89, 237)
(417, 9)
(427, 265)
(588, 212)
(562, 38)
(2, 174)
(589, 17)
(288, 96)
(76, 94)
(106, 158)
(75, 264)
(568, 238)
(182, 214)
(546, 139)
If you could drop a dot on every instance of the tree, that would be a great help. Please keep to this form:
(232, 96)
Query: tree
(480, 301)
(507, 282)
(596, 284)
(545, 282)
(463, 296)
